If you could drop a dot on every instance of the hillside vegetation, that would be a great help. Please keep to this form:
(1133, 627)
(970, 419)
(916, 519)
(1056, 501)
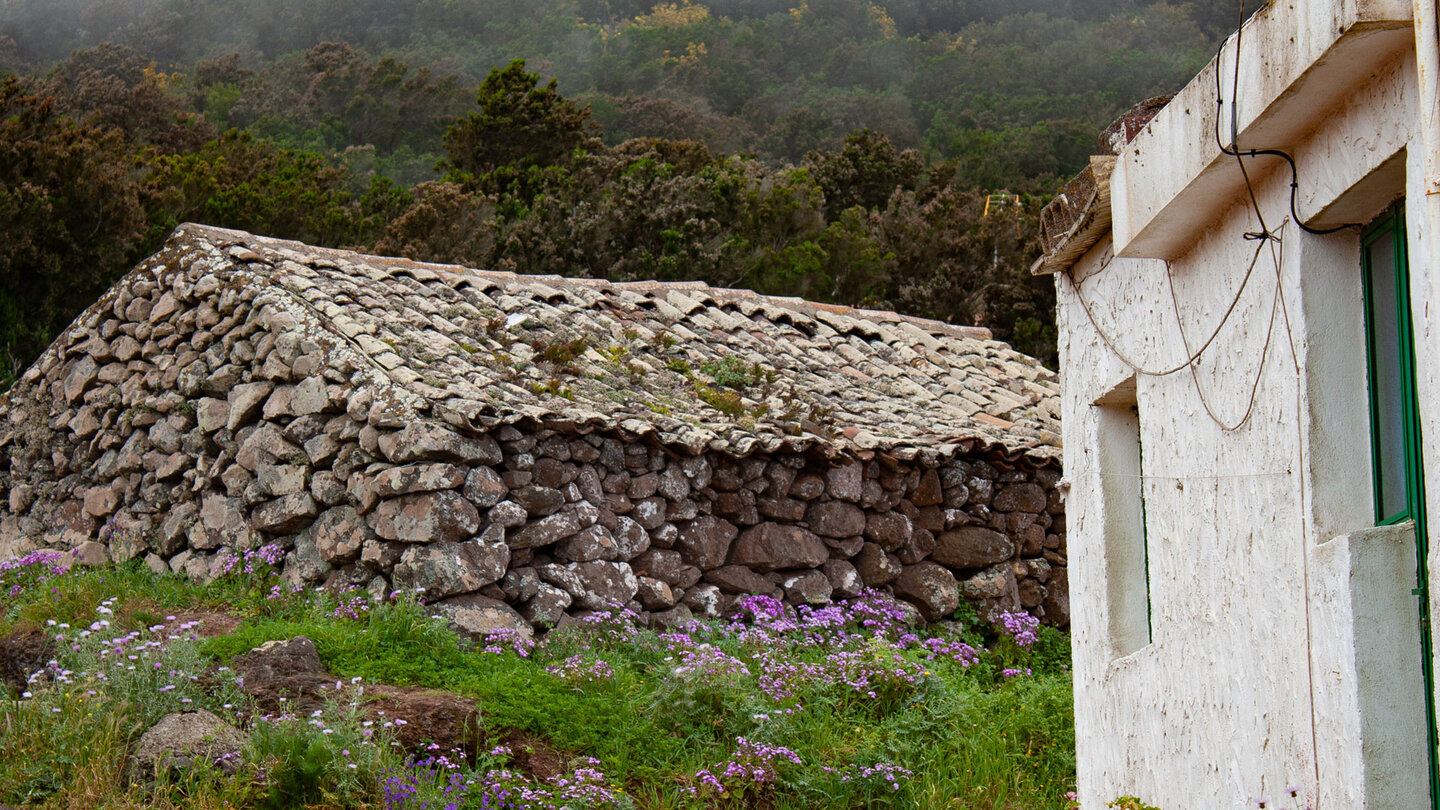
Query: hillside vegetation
(841, 150)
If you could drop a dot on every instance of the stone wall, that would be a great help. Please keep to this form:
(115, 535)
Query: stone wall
(182, 417)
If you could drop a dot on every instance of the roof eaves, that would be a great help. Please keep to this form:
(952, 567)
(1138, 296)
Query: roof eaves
(1077, 218)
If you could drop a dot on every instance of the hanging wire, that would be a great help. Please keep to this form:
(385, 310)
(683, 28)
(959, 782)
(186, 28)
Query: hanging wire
(1264, 237)
(1275, 306)
(1192, 357)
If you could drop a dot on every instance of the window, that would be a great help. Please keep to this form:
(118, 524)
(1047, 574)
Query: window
(1127, 553)
(1394, 417)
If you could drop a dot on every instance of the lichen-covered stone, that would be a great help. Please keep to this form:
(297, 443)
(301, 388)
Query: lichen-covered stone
(706, 541)
(446, 568)
(550, 529)
(425, 517)
(484, 487)
(738, 579)
(285, 514)
(426, 441)
(876, 567)
(931, 588)
(340, 533)
(418, 478)
(836, 519)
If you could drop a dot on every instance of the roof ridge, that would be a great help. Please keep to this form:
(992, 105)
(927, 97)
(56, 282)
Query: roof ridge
(802, 305)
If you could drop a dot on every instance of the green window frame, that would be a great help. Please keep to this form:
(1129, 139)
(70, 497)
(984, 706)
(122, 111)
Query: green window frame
(1394, 415)
(1399, 473)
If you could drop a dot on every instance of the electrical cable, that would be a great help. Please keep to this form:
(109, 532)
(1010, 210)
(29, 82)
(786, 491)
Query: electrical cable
(1239, 154)
(1303, 504)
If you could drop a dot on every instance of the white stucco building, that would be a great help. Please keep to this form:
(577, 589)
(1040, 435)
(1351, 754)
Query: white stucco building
(1247, 611)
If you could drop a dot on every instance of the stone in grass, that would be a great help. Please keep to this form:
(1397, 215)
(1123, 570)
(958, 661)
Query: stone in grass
(183, 740)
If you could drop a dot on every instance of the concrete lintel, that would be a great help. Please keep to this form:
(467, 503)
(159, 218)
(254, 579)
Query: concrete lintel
(1298, 61)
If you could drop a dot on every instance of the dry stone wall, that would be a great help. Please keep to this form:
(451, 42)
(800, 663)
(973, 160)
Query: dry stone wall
(187, 417)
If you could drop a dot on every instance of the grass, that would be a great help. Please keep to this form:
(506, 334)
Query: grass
(836, 707)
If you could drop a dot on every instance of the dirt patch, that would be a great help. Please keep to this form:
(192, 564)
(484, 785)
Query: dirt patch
(22, 654)
(212, 623)
(431, 718)
(535, 757)
(287, 677)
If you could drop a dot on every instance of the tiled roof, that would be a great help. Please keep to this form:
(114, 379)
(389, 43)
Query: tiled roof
(684, 363)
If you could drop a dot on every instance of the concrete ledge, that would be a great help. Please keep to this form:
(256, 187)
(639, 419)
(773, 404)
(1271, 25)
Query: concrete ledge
(1366, 667)
(1298, 62)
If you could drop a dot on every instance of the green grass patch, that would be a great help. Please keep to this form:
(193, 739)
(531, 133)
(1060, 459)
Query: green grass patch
(845, 706)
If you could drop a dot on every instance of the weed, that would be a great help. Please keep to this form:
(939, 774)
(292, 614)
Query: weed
(561, 353)
(727, 402)
(552, 388)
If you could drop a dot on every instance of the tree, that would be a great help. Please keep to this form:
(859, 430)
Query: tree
(520, 124)
(71, 215)
(113, 86)
(244, 182)
(865, 171)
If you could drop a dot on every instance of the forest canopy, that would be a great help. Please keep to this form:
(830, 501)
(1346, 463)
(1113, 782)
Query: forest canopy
(842, 150)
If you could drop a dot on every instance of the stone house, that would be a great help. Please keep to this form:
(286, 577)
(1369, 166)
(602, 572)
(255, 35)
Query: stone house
(1251, 355)
(533, 444)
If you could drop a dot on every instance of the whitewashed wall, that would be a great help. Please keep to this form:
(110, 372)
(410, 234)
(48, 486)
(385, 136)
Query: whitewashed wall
(1283, 630)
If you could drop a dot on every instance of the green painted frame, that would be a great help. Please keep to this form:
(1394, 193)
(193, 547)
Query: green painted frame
(1392, 224)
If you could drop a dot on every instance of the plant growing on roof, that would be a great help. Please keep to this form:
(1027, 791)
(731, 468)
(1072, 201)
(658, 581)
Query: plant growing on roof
(561, 353)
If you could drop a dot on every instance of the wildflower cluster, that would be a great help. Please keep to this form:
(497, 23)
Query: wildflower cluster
(36, 568)
(502, 640)
(262, 562)
(436, 782)
(576, 670)
(891, 775)
(749, 769)
(1021, 628)
(803, 692)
